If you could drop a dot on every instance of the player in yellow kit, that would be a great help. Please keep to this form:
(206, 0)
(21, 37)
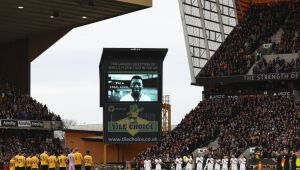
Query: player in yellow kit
(12, 164)
(21, 161)
(78, 159)
(52, 162)
(35, 162)
(16, 162)
(44, 160)
(88, 161)
(62, 161)
(28, 162)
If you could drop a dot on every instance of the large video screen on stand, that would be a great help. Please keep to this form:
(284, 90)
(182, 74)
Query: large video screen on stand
(131, 95)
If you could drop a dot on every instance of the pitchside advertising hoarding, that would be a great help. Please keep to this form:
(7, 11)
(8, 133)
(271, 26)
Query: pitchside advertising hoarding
(131, 94)
(294, 76)
(22, 123)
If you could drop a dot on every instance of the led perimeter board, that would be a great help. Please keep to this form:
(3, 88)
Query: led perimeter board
(131, 94)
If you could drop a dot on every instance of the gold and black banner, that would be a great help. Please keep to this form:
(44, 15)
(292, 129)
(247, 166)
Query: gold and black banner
(132, 123)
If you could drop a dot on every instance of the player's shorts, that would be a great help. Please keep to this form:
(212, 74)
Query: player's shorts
(77, 167)
(44, 167)
(88, 167)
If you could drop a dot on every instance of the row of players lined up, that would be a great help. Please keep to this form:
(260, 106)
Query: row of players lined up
(73, 160)
(209, 164)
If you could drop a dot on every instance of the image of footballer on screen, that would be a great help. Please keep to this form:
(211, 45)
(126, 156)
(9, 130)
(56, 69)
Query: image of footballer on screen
(132, 87)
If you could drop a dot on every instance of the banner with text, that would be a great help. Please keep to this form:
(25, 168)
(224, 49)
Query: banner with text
(132, 123)
(22, 123)
(248, 78)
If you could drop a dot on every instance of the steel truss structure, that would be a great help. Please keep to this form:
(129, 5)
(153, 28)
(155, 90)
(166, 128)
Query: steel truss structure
(206, 24)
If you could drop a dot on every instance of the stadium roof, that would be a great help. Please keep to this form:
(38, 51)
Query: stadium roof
(29, 19)
(88, 127)
(206, 25)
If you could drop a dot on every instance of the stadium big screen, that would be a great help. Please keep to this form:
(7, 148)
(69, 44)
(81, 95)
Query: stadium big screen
(131, 94)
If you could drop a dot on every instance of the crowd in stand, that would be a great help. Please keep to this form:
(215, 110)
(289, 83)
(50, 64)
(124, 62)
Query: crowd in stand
(16, 105)
(199, 127)
(14, 141)
(270, 122)
(234, 56)
(290, 38)
(277, 65)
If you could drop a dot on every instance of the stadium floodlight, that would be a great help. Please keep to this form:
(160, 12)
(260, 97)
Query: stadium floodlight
(55, 14)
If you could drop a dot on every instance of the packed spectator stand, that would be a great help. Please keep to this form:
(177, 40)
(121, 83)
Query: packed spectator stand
(266, 121)
(16, 105)
(290, 38)
(238, 53)
(278, 65)
(241, 116)
(28, 142)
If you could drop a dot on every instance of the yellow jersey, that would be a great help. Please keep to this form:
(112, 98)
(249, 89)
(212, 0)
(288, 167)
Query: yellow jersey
(12, 164)
(52, 161)
(78, 158)
(28, 162)
(16, 161)
(62, 160)
(21, 161)
(88, 161)
(34, 162)
(44, 158)
(298, 162)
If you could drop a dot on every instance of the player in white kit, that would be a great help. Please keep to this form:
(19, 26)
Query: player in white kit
(147, 164)
(158, 163)
(225, 163)
(242, 162)
(178, 163)
(209, 163)
(189, 165)
(71, 160)
(234, 163)
(199, 162)
(218, 164)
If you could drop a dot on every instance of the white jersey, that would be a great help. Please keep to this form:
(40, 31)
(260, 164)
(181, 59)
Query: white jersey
(178, 162)
(225, 164)
(209, 164)
(129, 98)
(218, 164)
(234, 163)
(242, 162)
(199, 163)
(147, 164)
(158, 164)
(71, 159)
(189, 165)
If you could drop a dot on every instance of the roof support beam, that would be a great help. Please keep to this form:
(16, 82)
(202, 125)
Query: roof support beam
(203, 29)
(220, 20)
